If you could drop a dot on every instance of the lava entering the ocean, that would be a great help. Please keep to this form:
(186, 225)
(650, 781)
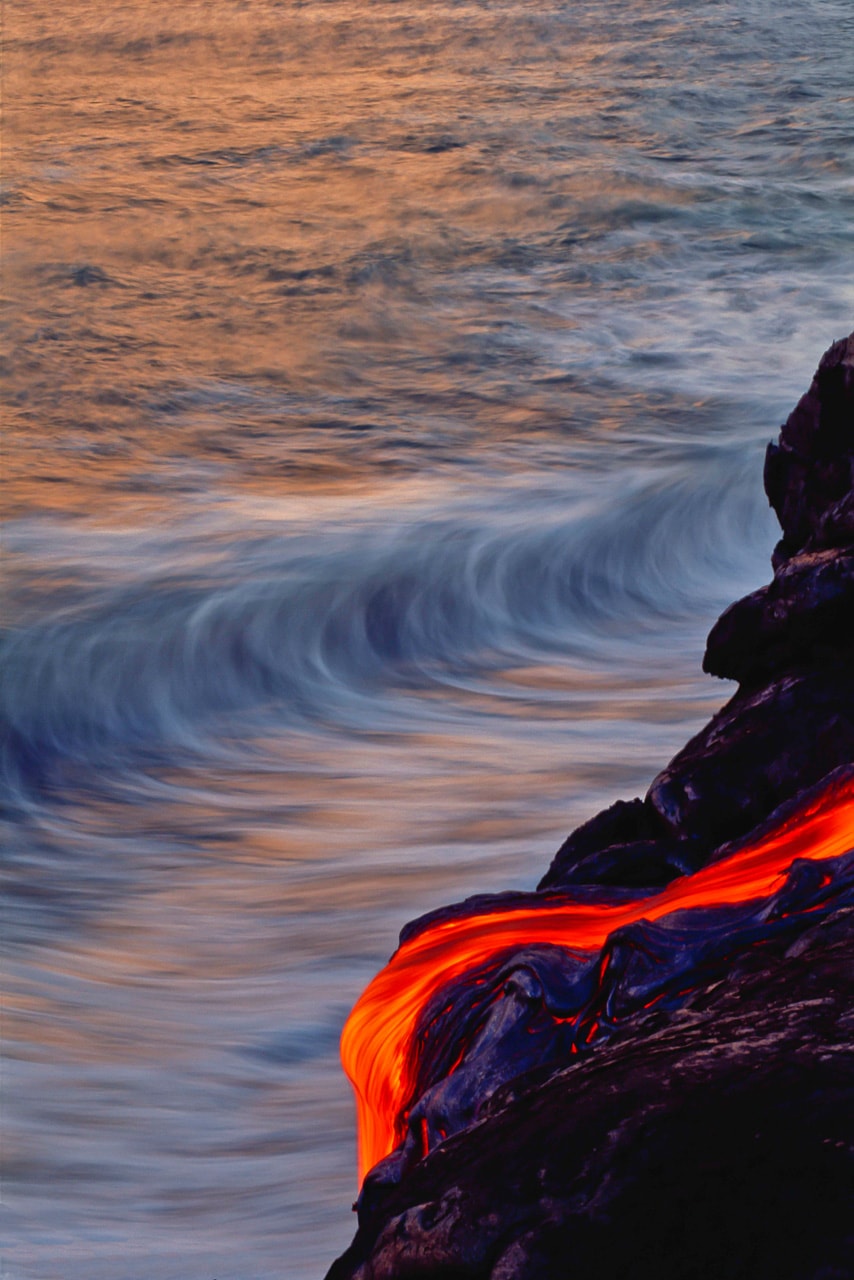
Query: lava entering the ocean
(383, 1042)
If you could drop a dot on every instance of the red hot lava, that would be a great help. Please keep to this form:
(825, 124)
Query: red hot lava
(378, 1044)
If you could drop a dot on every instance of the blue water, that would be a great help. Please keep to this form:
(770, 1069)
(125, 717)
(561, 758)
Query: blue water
(387, 393)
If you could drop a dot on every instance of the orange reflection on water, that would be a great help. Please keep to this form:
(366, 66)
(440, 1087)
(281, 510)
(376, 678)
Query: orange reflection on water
(377, 1041)
(228, 227)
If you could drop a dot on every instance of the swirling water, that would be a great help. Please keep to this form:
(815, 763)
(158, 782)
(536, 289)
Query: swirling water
(385, 406)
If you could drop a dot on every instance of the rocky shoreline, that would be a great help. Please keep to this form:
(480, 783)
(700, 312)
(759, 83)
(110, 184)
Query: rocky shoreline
(711, 1134)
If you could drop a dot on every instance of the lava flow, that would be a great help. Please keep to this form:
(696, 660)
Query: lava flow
(378, 1042)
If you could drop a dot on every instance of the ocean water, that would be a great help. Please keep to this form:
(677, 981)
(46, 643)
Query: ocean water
(386, 393)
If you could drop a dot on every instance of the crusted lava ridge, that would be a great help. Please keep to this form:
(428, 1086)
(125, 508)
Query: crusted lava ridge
(710, 1131)
(722, 1148)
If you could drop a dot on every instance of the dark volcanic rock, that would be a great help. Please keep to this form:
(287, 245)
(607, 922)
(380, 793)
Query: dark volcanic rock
(811, 470)
(625, 844)
(638, 864)
(836, 527)
(718, 1144)
(765, 746)
(805, 615)
(624, 822)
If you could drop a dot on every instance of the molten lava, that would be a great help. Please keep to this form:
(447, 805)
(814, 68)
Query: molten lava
(378, 1041)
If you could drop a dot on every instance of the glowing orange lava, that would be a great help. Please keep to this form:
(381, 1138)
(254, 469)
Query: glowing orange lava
(377, 1038)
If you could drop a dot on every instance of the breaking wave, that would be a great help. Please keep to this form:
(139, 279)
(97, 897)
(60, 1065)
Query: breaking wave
(330, 625)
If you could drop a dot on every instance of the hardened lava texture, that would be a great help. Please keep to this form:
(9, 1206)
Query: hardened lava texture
(714, 1142)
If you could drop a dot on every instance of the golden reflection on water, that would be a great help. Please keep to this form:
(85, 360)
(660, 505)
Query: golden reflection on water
(177, 239)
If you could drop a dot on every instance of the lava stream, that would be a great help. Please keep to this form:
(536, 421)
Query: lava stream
(376, 1044)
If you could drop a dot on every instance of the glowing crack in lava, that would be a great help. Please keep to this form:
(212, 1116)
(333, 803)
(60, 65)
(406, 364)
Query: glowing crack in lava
(381, 1041)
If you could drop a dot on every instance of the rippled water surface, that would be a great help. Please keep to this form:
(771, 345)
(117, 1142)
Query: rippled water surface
(385, 405)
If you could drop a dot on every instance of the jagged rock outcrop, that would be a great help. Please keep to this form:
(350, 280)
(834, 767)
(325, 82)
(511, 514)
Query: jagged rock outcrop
(711, 1134)
(805, 616)
(768, 743)
(790, 645)
(809, 473)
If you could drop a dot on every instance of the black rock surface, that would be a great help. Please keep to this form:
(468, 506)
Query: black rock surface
(710, 1134)
(806, 615)
(809, 473)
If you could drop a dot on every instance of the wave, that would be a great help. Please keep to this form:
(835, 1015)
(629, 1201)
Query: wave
(338, 624)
